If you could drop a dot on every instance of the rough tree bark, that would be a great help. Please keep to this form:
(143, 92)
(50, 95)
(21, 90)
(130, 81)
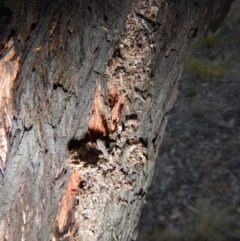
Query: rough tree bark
(86, 87)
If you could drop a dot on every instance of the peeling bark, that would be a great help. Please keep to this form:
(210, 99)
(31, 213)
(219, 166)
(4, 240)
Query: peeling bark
(93, 82)
(98, 124)
(9, 67)
(66, 220)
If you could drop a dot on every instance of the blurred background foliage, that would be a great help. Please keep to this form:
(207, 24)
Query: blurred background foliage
(195, 194)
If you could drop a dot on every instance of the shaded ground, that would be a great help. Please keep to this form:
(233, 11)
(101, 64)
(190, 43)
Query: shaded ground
(195, 195)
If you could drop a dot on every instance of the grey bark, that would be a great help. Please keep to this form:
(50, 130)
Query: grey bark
(68, 49)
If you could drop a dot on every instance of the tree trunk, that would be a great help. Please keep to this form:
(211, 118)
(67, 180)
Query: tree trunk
(87, 87)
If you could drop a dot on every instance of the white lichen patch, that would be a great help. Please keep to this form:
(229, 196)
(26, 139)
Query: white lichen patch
(104, 181)
(149, 9)
(110, 167)
(130, 68)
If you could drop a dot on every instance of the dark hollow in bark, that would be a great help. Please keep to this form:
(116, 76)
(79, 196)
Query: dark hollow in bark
(96, 82)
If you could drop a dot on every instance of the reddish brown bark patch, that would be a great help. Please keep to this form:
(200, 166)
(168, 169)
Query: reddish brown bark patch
(66, 220)
(9, 67)
(97, 126)
(116, 114)
(113, 97)
(116, 103)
